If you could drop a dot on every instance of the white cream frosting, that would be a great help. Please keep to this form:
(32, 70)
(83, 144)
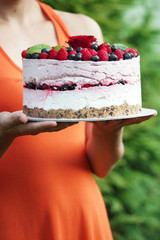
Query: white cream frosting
(58, 73)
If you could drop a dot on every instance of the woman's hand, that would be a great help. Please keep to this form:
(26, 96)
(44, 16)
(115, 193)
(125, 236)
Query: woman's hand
(16, 124)
(112, 125)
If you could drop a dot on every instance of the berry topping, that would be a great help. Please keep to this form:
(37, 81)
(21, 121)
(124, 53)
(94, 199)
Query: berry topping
(113, 57)
(84, 41)
(35, 55)
(104, 45)
(23, 53)
(71, 57)
(37, 48)
(70, 49)
(64, 87)
(119, 53)
(62, 54)
(113, 48)
(43, 55)
(53, 54)
(95, 46)
(95, 58)
(103, 55)
(73, 52)
(127, 56)
(45, 50)
(86, 55)
(78, 57)
(93, 52)
(78, 49)
(28, 56)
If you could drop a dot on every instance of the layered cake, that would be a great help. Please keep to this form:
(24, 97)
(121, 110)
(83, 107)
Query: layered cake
(83, 80)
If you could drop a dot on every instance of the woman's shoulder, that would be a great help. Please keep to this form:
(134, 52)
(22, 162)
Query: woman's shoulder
(80, 24)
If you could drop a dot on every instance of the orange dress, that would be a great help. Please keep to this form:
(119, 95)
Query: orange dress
(47, 191)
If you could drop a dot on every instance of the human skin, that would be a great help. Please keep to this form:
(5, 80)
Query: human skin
(25, 19)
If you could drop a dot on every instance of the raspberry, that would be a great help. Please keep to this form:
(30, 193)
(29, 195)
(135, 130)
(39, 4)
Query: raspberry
(86, 55)
(135, 52)
(43, 55)
(52, 54)
(23, 54)
(84, 41)
(72, 52)
(62, 54)
(93, 52)
(104, 45)
(103, 55)
(119, 53)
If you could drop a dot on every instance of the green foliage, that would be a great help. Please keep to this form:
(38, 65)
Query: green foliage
(131, 191)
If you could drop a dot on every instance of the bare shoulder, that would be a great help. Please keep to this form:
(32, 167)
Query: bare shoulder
(79, 24)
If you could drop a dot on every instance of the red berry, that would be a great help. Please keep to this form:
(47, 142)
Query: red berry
(43, 55)
(72, 52)
(86, 55)
(119, 53)
(62, 54)
(104, 45)
(23, 53)
(135, 52)
(93, 52)
(103, 55)
(52, 54)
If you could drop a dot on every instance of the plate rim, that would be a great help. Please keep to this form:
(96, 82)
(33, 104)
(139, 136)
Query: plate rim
(144, 112)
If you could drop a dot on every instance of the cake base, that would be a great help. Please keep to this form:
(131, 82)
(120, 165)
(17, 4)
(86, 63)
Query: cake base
(113, 111)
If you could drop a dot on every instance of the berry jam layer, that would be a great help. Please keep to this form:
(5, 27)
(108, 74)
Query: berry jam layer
(113, 111)
(66, 87)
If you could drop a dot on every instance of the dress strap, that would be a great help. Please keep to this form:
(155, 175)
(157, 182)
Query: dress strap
(61, 29)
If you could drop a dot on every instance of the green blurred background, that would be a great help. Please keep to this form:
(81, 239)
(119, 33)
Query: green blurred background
(132, 190)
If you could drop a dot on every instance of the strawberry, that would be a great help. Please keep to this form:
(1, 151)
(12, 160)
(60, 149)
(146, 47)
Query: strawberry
(52, 54)
(62, 54)
(103, 55)
(43, 55)
(86, 55)
(119, 53)
(84, 41)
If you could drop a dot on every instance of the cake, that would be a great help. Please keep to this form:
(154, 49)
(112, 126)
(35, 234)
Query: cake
(82, 81)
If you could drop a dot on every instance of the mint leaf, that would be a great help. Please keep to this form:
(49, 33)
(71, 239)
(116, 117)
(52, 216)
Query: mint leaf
(57, 48)
(37, 48)
(120, 46)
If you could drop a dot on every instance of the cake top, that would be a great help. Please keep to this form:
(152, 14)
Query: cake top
(81, 48)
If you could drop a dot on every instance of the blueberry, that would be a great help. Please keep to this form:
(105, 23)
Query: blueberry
(45, 50)
(78, 57)
(64, 87)
(72, 87)
(95, 47)
(70, 49)
(28, 56)
(121, 82)
(113, 57)
(31, 85)
(35, 56)
(39, 87)
(113, 48)
(127, 56)
(71, 56)
(78, 49)
(95, 58)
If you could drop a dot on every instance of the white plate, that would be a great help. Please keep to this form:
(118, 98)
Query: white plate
(144, 112)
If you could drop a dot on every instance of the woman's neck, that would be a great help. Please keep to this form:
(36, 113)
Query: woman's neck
(21, 11)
